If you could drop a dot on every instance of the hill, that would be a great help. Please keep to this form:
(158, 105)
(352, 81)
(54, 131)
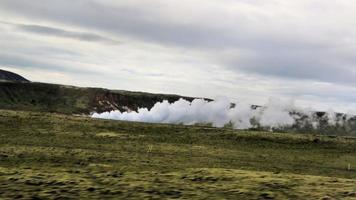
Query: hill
(74, 100)
(10, 76)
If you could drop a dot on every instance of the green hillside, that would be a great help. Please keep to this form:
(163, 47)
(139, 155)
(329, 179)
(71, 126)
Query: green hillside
(74, 100)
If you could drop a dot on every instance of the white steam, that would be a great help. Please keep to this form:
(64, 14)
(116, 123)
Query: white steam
(274, 114)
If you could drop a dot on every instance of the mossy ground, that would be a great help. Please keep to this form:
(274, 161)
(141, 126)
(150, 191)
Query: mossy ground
(51, 156)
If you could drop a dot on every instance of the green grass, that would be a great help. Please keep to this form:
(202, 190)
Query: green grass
(53, 156)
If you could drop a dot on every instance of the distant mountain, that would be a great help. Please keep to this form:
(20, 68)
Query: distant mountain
(10, 76)
(17, 93)
(46, 97)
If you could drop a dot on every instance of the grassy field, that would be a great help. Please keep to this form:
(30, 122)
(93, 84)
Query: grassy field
(52, 156)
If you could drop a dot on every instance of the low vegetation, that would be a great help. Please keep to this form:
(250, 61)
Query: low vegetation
(54, 156)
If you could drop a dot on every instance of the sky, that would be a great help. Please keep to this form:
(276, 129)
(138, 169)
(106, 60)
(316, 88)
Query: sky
(246, 50)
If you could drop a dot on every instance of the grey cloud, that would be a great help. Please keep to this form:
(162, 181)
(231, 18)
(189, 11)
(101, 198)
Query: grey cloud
(300, 64)
(45, 30)
(149, 24)
(127, 20)
(280, 54)
(20, 61)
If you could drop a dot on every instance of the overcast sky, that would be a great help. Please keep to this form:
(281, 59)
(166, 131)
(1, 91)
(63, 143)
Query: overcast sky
(248, 50)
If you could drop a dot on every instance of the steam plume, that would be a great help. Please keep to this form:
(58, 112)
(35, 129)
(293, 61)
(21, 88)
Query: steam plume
(274, 114)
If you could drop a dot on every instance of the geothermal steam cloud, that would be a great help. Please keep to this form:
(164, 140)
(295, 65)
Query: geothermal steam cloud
(273, 114)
